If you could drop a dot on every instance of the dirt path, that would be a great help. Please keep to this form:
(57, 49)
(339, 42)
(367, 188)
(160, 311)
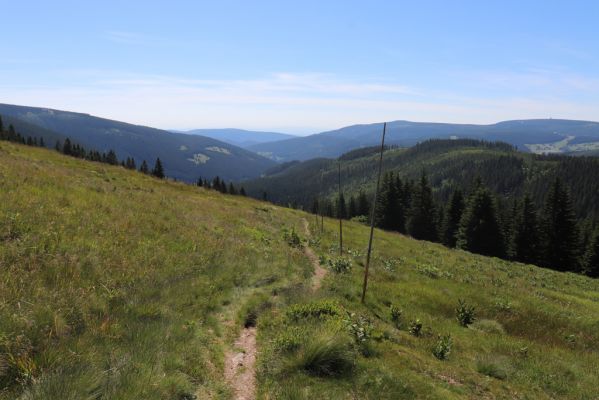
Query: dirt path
(319, 271)
(240, 368)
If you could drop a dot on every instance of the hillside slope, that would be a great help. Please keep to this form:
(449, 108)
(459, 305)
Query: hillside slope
(114, 285)
(540, 136)
(240, 137)
(185, 157)
(448, 163)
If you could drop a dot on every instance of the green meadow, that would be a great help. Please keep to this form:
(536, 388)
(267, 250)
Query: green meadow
(116, 285)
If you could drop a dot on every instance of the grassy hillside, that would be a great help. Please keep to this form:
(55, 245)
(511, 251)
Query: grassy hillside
(448, 163)
(185, 157)
(535, 135)
(114, 285)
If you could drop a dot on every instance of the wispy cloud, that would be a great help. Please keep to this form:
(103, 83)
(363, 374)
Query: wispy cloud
(296, 102)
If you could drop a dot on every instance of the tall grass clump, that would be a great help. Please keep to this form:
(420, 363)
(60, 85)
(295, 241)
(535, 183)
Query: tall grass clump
(325, 356)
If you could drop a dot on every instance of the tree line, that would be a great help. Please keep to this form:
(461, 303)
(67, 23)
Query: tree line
(220, 185)
(477, 220)
(75, 150)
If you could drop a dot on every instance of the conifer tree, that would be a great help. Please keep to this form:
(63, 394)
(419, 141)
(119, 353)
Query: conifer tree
(363, 207)
(143, 168)
(387, 207)
(158, 171)
(242, 191)
(314, 208)
(111, 158)
(232, 189)
(422, 224)
(216, 183)
(527, 240)
(451, 222)
(42, 143)
(351, 208)
(57, 146)
(67, 148)
(1, 125)
(562, 249)
(200, 182)
(29, 141)
(592, 257)
(12, 134)
(479, 230)
(341, 209)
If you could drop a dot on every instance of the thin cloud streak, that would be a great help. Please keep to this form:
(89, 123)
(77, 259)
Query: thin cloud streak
(297, 103)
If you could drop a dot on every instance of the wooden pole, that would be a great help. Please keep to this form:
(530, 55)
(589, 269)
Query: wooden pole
(339, 214)
(322, 208)
(378, 181)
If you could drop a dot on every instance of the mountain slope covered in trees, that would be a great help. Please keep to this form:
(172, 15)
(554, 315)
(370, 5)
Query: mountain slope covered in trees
(542, 136)
(185, 157)
(114, 284)
(240, 137)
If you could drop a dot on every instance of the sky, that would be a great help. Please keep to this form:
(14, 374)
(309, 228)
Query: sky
(302, 66)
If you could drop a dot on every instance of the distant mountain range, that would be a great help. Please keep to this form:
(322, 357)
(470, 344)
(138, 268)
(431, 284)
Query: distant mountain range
(538, 136)
(240, 137)
(185, 157)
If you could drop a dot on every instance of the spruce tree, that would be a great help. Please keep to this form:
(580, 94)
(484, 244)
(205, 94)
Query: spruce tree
(67, 148)
(42, 143)
(562, 248)
(200, 182)
(232, 189)
(363, 204)
(111, 158)
(422, 224)
(351, 208)
(341, 209)
(242, 191)
(451, 222)
(1, 125)
(314, 208)
(527, 240)
(387, 207)
(591, 263)
(479, 230)
(143, 168)
(158, 171)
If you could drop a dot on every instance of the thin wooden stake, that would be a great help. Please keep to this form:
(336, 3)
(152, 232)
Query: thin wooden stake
(378, 180)
(339, 214)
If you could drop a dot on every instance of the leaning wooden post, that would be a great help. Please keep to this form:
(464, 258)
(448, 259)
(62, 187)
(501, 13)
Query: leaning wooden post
(378, 180)
(322, 210)
(339, 214)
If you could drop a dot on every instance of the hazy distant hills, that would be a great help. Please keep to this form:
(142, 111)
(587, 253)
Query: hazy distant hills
(241, 137)
(538, 135)
(184, 156)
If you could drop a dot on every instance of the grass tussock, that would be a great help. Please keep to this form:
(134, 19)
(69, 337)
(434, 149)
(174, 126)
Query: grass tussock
(324, 356)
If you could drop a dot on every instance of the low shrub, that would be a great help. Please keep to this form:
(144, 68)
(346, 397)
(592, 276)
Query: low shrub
(396, 314)
(292, 238)
(464, 313)
(415, 328)
(339, 265)
(442, 347)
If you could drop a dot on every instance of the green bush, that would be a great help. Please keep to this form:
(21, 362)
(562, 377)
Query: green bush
(292, 238)
(340, 265)
(359, 327)
(443, 347)
(415, 328)
(396, 314)
(465, 313)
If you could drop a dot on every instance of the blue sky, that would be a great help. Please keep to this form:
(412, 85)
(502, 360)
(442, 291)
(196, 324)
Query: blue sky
(302, 66)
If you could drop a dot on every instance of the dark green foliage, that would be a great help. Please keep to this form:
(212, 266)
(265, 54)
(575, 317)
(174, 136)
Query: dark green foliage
(158, 171)
(143, 168)
(592, 257)
(387, 215)
(562, 250)
(341, 208)
(527, 239)
(242, 191)
(443, 347)
(67, 148)
(232, 189)
(422, 224)
(415, 328)
(451, 223)
(363, 206)
(464, 313)
(479, 230)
